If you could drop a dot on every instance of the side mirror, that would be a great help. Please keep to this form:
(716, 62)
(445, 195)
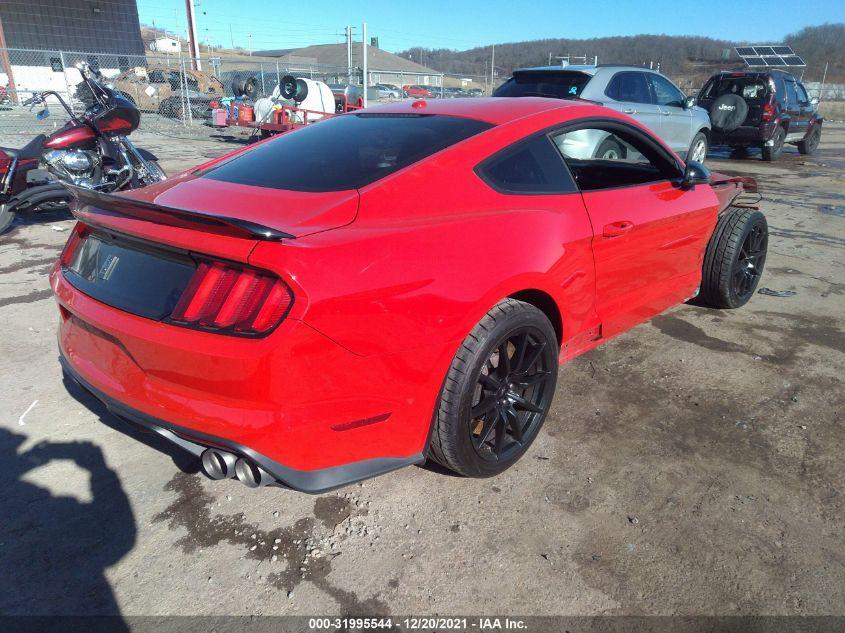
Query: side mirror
(695, 174)
(814, 101)
(689, 102)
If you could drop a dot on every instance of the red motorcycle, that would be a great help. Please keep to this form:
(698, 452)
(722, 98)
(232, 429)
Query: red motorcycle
(90, 151)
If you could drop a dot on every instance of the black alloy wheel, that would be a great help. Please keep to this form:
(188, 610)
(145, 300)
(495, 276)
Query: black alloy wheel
(734, 258)
(511, 395)
(497, 392)
(748, 267)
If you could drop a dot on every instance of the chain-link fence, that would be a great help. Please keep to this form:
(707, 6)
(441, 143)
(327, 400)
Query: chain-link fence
(176, 94)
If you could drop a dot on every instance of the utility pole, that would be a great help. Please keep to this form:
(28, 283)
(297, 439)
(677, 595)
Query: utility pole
(193, 43)
(364, 63)
(231, 36)
(7, 65)
(348, 54)
(492, 67)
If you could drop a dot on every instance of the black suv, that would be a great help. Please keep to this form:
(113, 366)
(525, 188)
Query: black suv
(764, 109)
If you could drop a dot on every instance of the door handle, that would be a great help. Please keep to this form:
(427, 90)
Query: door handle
(629, 111)
(615, 229)
(665, 112)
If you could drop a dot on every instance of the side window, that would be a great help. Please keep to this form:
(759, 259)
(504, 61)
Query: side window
(531, 166)
(629, 86)
(156, 77)
(606, 157)
(665, 93)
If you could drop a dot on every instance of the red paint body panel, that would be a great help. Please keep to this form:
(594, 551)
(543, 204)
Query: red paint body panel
(387, 283)
(71, 135)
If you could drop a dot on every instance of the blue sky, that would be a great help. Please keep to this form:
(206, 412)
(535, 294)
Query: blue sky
(400, 24)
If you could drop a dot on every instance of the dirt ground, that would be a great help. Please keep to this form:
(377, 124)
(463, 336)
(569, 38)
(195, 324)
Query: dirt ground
(692, 466)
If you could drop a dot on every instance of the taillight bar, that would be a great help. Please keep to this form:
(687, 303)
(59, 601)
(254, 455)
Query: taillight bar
(79, 233)
(233, 299)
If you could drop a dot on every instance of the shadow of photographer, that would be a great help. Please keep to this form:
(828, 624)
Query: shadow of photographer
(55, 549)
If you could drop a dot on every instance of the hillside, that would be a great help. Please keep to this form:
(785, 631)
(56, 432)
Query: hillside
(679, 56)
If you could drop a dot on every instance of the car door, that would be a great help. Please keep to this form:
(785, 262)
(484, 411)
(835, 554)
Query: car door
(807, 108)
(649, 234)
(675, 126)
(797, 128)
(631, 94)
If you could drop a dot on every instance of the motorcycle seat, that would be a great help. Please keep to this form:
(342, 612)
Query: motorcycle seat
(30, 150)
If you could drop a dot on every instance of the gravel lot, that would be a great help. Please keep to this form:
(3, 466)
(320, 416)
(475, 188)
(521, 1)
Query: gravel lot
(691, 466)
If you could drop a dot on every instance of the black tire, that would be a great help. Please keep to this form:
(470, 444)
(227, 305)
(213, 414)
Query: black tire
(734, 259)
(610, 149)
(809, 144)
(250, 88)
(773, 152)
(510, 399)
(695, 152)
(728, 112)
(7, 216)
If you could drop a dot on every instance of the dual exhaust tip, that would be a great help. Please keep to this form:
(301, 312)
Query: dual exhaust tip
(219, 464)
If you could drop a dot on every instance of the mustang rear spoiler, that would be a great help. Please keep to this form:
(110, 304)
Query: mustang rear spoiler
(88, 204)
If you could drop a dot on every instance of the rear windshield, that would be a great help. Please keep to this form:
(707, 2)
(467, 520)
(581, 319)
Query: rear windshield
(345, 152)
(558, 84)
(752, 89)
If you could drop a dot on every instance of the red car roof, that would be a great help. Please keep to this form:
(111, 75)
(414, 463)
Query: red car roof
(494, 110)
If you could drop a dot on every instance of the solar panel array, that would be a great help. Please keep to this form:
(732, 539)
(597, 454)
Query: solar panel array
(769, 56)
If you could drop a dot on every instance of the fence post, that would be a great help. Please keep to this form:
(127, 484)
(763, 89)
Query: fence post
(67, 83)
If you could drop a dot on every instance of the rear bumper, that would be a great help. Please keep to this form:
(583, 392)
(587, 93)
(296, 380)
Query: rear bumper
(743, 135)
(195, 442)
(310, 412)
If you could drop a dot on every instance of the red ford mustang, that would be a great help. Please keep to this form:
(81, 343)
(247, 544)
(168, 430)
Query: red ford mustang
(391, 285)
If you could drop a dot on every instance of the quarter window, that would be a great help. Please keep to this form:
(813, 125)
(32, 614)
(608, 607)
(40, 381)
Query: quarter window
(531, 166)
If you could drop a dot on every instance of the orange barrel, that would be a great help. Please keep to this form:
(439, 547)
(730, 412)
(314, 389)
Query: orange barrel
(246, 113)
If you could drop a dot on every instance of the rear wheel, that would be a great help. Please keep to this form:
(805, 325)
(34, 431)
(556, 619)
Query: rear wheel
(497, 392)
(734, 259)
(809, 144)
(773, 151)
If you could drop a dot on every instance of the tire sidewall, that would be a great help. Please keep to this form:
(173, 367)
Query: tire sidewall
(475, 465)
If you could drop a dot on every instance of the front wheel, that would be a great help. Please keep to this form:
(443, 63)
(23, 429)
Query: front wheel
(734, 259)
(498, 391)
(809, 144)
(156, 173)
(7, 216)
(698, 148)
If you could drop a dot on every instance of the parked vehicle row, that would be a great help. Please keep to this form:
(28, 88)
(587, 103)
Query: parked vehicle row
(738, 109)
